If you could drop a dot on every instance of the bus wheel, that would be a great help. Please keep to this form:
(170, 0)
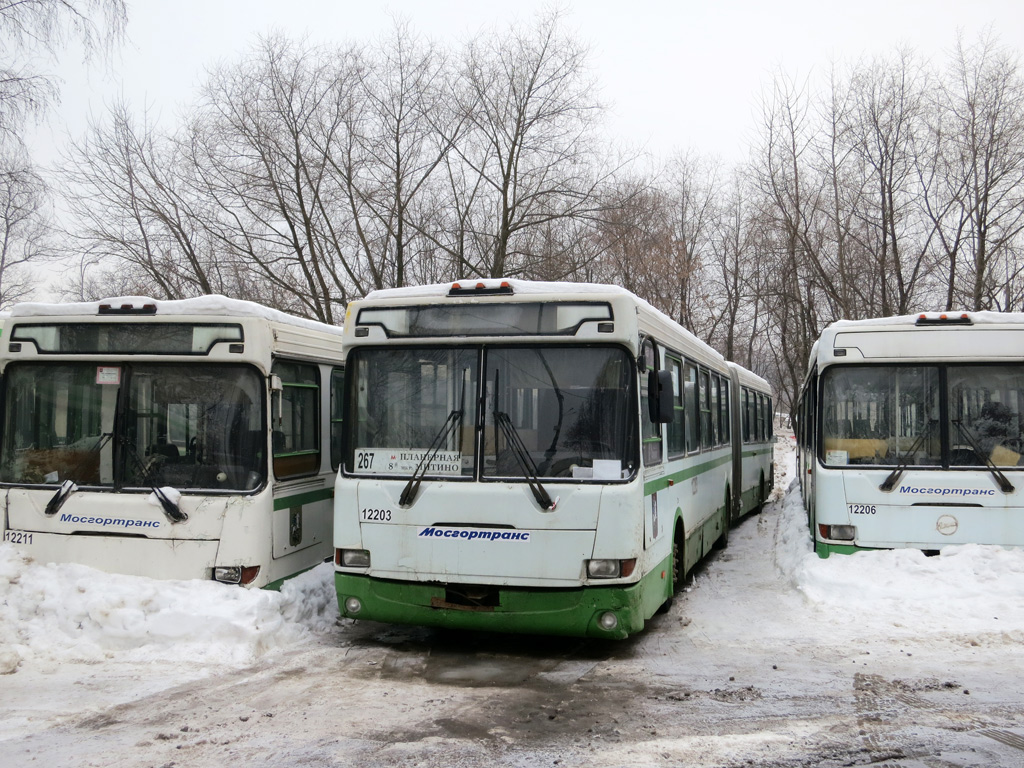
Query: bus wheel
(677, 571)
(760, 498)
(678, 568)
(723, 539)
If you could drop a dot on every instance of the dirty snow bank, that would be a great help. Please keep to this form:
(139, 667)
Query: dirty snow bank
(70, 613)
(971, 590)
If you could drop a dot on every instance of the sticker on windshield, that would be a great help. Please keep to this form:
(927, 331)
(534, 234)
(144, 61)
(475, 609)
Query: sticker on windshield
(837, 457)
(108, 374)
(404, 461)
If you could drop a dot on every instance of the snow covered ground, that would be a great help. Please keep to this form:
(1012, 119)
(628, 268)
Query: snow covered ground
(772, 657)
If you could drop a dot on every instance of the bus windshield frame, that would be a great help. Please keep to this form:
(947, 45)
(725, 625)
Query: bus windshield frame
(196, 427)
(560, 413)
(925, 415)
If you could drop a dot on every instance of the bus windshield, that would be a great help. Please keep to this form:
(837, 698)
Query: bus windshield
(889, 415)
(134, 425)
(547, 411)
(567, 409)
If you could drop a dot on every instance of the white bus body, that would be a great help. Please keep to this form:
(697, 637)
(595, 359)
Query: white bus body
(533, 457)
(911, 433)
(170, 439)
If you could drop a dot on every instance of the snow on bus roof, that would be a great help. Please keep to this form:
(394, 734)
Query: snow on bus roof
(212, 305)
(518, 287)
(977, 318)
(560, 289)
(527, 287)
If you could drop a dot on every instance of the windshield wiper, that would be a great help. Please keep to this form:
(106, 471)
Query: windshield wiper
(1001, 480)
(522, 454)
(450, 425)
(515, 443)
(890, 481)
(412, 487)
(171, 509)
(69, 485)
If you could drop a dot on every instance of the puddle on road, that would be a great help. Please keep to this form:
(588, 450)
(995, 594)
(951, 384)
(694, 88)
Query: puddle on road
(480, 659)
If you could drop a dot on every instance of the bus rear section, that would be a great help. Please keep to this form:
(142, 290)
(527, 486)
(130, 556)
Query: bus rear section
(916, 433)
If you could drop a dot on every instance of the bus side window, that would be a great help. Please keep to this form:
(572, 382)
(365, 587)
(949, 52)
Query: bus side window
(706, 433)
(677, 428)
(725, 422)
(745, 406)
(650, 431)
(692, 408)
(337, 408)
(296, 420)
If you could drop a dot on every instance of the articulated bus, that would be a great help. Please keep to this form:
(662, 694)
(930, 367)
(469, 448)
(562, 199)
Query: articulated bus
(192, 439)
(911, 432)
(535, 457)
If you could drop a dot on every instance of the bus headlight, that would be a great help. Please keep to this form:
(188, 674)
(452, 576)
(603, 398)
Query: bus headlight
(838, 532)
(608, 620)
(610, 569)
(236, 574)
(352, 558)
(352, 605)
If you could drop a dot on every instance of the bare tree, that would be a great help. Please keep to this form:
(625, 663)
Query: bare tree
(886, 120)
(260, 142)
(635, 240)
(530, 149)
(137, 219)
(730, 270)
(45, 26)
(977, 188)
(24, 235)
(398, 139)
(693, 189)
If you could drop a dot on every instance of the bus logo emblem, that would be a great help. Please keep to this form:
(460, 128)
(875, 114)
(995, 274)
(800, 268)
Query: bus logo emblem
(947, 525)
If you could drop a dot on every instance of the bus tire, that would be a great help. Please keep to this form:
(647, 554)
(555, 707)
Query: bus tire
(760, 497)
(723, 539)
(678, 559)
(677, 571)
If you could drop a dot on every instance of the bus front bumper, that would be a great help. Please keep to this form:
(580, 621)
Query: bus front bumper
(579, 612)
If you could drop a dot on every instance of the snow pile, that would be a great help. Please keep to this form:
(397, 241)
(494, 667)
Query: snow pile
(973, 590)
(70, 613)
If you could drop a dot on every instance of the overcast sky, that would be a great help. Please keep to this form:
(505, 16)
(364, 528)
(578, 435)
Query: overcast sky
(678, 74)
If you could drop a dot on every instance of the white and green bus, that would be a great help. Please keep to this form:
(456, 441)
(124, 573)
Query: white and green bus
(911, 433)
(534, 457)
(192, 439)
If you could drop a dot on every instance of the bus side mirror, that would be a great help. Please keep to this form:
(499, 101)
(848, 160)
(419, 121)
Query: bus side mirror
(659, 396)
(276, 395)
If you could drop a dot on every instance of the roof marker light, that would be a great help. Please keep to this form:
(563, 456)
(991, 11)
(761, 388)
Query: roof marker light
(481, 289)
(126, 309)
(945, 319)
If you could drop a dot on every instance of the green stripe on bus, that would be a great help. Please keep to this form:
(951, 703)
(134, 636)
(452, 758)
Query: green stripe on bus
(677, 477)
(550, 611)
(287, 502)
